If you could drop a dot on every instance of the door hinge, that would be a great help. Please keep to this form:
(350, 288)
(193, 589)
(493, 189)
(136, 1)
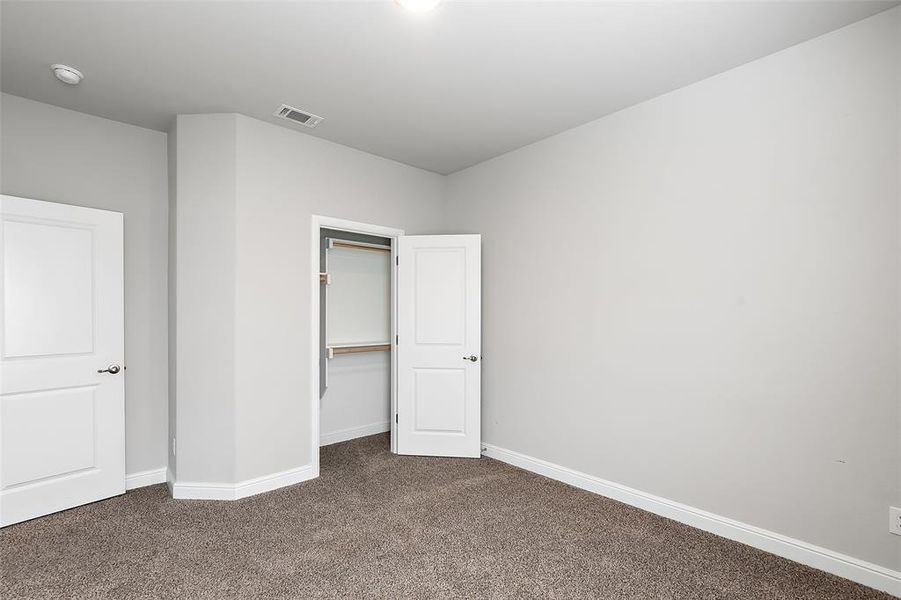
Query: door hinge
(397, 260)
(396, 340)
(395, 418)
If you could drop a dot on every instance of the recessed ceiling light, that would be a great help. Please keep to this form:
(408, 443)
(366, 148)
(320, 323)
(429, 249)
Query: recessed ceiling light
(67, 74)
(419, 6)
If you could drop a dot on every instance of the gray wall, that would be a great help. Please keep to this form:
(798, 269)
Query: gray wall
(283, 179)
(246, 193)
(205, 267)
(50, 153)
(359, 393)
(698, 296)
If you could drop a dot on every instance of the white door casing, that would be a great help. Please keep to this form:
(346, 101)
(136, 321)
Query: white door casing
(62, 425)
(439, 345)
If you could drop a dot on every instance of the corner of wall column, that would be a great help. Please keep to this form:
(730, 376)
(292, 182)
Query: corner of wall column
(172, 279)
(202, 287)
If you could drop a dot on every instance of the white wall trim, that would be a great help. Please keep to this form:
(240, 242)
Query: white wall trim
(145, 478)
(352, 433)
(196, 490)
(860, 571)
(267, 483)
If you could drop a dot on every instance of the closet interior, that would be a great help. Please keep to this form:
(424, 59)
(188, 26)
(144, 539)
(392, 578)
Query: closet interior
(355, 335)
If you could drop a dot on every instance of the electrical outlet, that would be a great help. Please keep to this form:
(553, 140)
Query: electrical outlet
(894, 524)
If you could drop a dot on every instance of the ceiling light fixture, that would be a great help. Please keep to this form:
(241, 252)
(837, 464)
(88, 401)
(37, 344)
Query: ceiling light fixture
(418, 6)
(67, 74)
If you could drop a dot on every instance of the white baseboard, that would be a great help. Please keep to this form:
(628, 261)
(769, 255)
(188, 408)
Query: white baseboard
(327, 439)
(182, 490)
(267, 483)
(860, 571)
(145, 478)
(198, 490)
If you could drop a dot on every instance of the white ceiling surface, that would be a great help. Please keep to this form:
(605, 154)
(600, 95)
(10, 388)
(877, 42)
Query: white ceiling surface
(441, 91)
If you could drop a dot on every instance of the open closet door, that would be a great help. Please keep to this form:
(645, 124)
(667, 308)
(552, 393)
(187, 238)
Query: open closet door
(439, 345)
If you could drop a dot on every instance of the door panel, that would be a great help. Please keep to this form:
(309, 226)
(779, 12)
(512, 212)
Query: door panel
(436, 400)
(62, 430)
(439, 328)
(440, 310)
(43, 263)
(46, 434)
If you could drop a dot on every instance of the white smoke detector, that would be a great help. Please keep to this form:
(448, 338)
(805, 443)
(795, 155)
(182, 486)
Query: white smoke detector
(67, 74)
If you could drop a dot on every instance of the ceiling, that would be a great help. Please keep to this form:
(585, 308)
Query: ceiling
(442, 91)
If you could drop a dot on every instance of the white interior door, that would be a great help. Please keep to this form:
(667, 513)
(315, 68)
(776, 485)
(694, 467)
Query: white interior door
(439, 305)
(62, 421)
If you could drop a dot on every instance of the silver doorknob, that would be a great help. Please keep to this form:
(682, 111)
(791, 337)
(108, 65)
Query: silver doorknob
(473, 358)
(112, 369)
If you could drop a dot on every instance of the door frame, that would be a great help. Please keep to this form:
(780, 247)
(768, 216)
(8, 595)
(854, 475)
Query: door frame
(320, 222)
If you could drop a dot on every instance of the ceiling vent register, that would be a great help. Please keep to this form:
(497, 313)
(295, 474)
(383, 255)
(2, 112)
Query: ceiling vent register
(296, 115)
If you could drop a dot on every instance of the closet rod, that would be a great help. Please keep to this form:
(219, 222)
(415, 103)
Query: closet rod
(335, 243)
(332, 351)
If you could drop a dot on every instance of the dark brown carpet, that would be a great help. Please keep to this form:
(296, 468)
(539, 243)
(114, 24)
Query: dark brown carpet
(375, 525)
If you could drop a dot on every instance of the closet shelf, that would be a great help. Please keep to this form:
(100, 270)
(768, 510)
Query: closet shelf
(336, 243)
(356, 348)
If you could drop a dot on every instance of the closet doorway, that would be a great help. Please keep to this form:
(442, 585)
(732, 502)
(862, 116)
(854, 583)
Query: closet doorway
(354, 345)
(396, 344)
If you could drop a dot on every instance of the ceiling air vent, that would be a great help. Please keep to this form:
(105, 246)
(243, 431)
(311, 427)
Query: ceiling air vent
(298, 116)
